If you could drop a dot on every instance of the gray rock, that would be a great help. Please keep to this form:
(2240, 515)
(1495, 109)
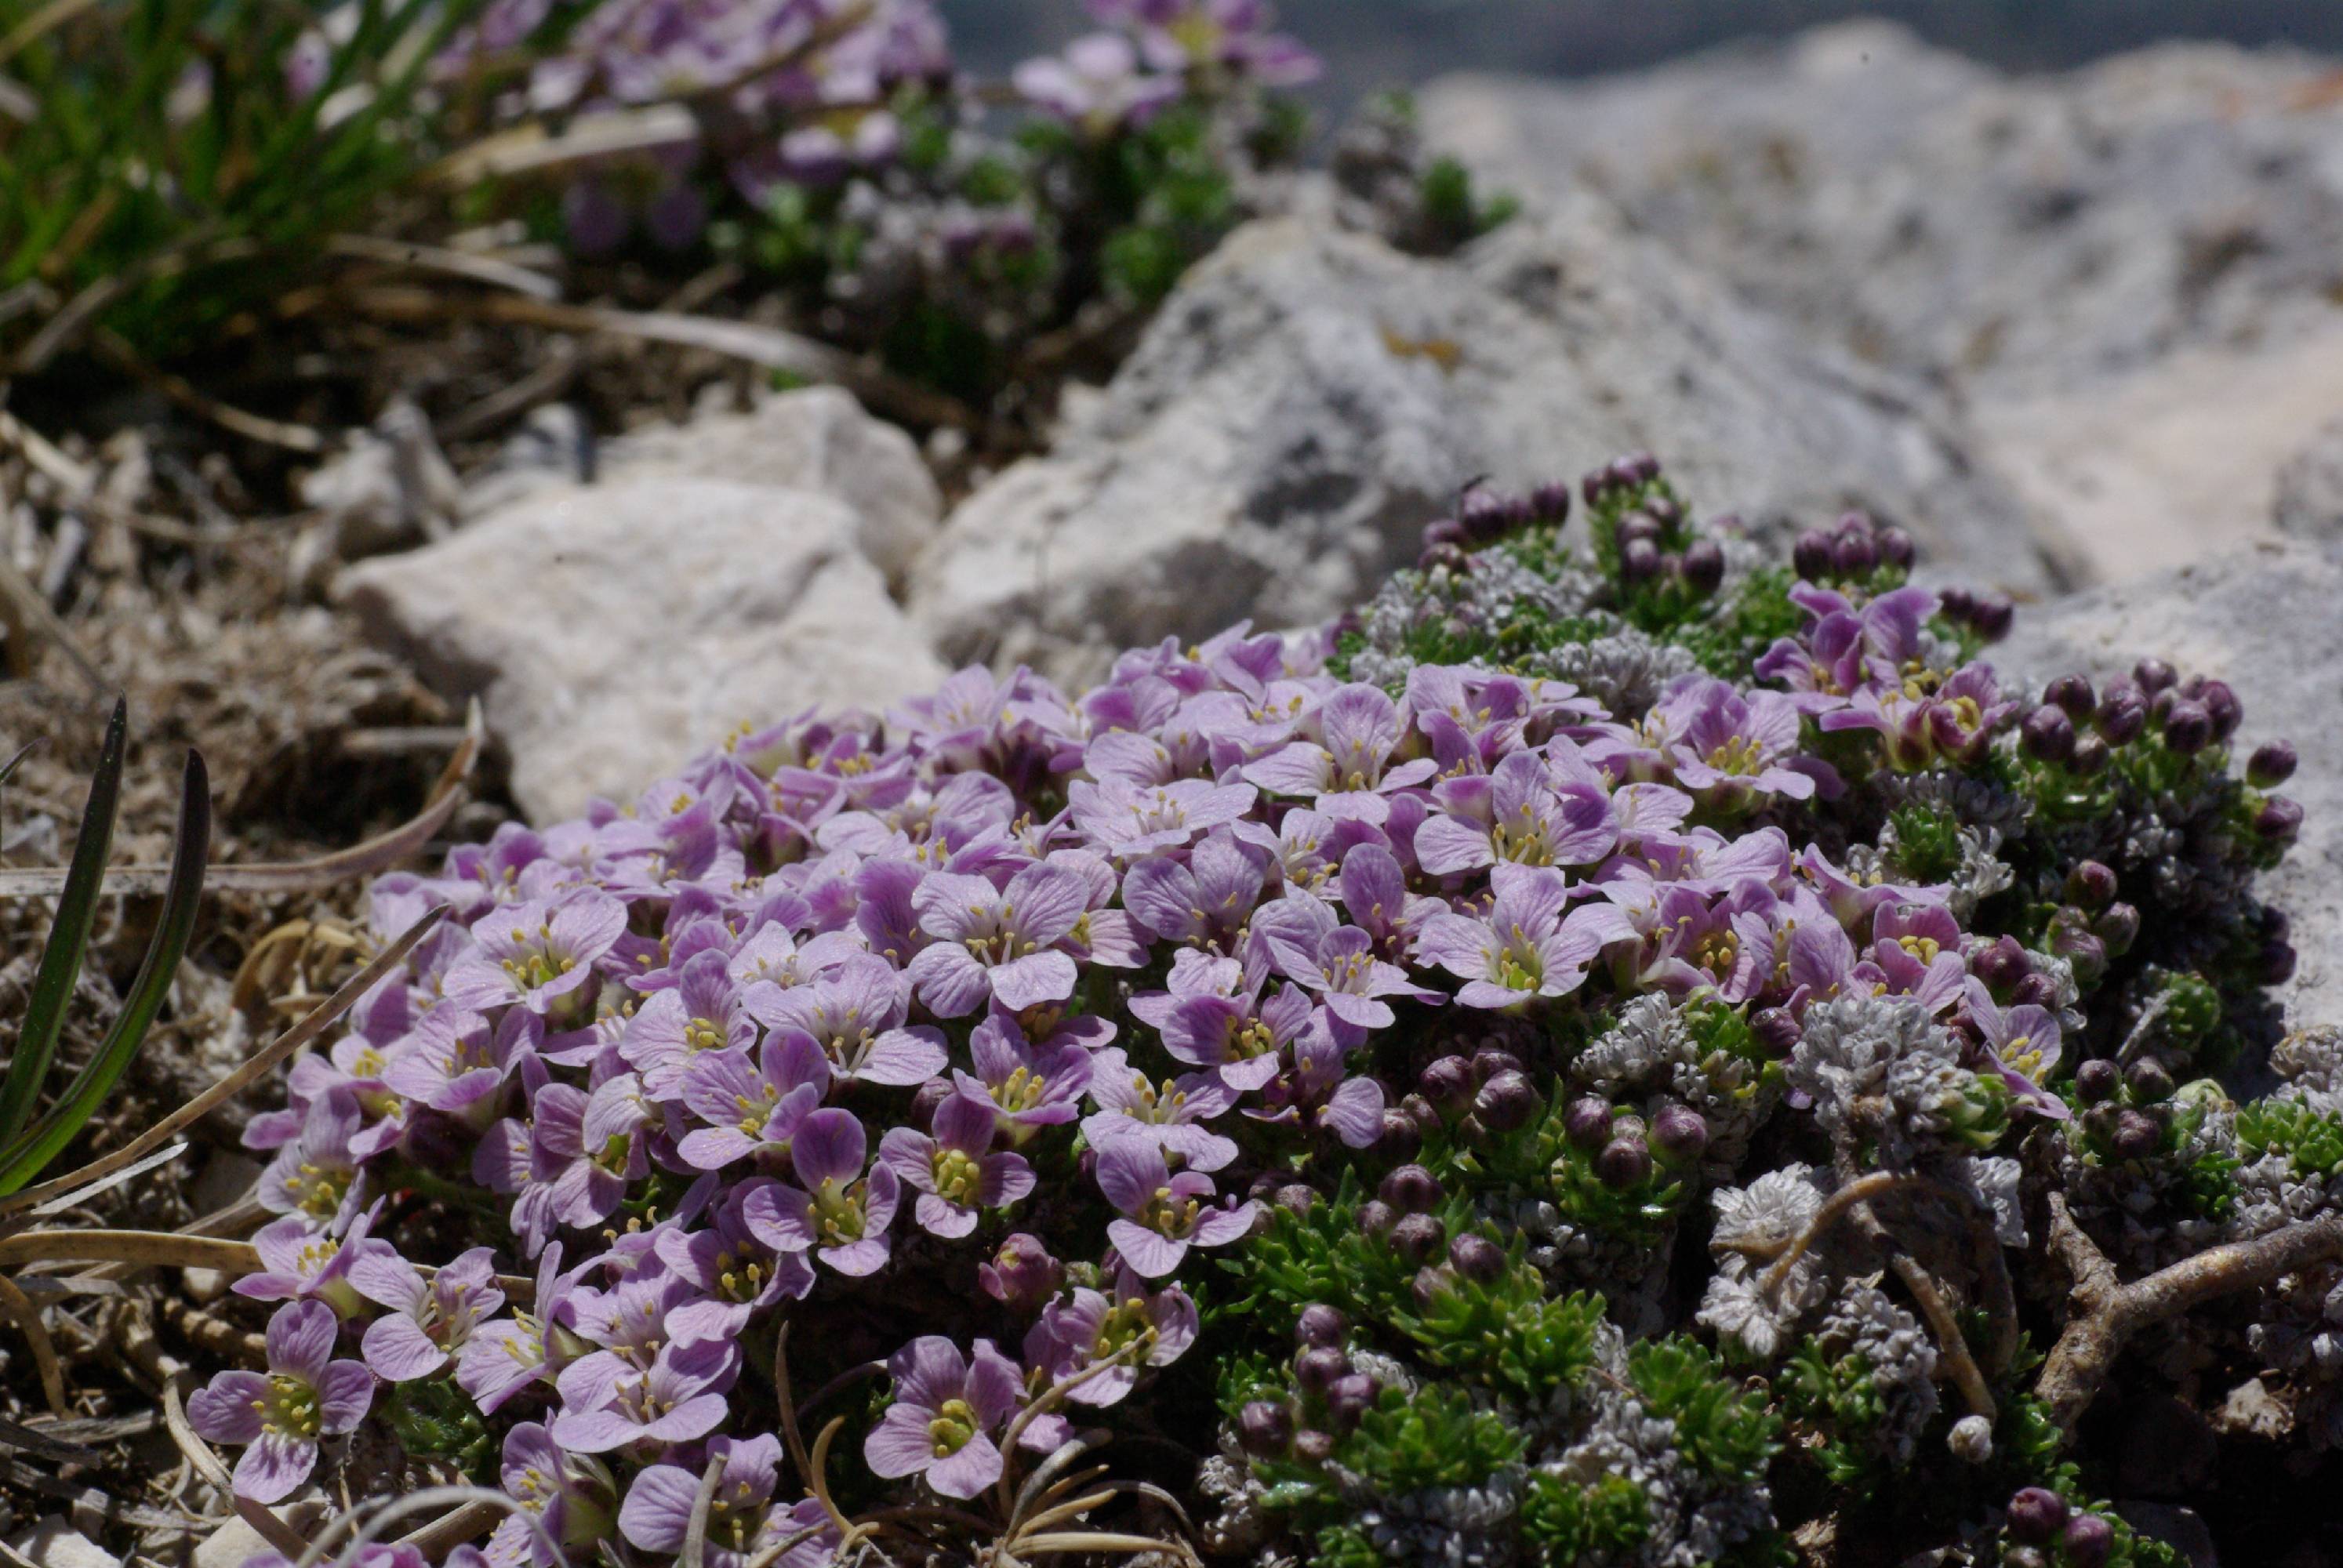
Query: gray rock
(2265, 619)
(389, 490)
(53, 1543)
(2127, 275)
(1309, 398)
(613, 629)
(236, 1542)
(2310, 501)
(2182, 1529)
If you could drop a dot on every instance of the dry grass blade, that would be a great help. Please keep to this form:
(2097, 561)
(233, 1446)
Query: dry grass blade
(46, 1445)
(146, 1247)
(703, 1503)
(29, 615)
(1101, 1541)
(283, 433)
(318, 1020)
(292, 876)
(36, 1335)
(461, 263)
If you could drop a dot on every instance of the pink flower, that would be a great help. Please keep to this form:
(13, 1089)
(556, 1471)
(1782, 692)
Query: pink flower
(946, 1408)
(305, 1395)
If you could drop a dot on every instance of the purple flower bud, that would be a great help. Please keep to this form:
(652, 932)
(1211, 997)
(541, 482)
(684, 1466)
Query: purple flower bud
(2122, 715)
(1623, 1162)
(1476, 1258)
(1265, 1429)
(1680, 1131)
(1411, 1189)
(1506, 1102)
(1639, 562)
(2187, 728)
(2279, 820)
(2097, 1079)
(2091, 883)
(2073, 693)
(1856, 523)
(2036, 989)
(1376, 1217)
(1402, 1137)
(2100, 1120)
(1297, 1197)
(2001, 963)
(1703, 567)
(2160, 704)
(2048, 735)
(1641, 467)
(2037, 1515)
(1489, 1061)
(1421, 1111)
(2220, 700)
(1483, 514)
(1316, 1447)
(1957, 603)
(2271, 765)
(1349, 1398)
(2275, 963)
(1419, 1238)
(2153, 675)
(2274, 925)
(1811, 556)
(1854, 554)
(1436, 557)
(1321, 1324)
(2137, 1136)
(1551, 502)
(1777, 1032)
(1592, 484)
(1429, 1286)
(1587, 1122)
(1022, 1275)
(2148, 1081)
(1895, 548)
(2117, 928)
(1622, 475)
(2086, 953)
(1442, 531)
(931, 1095)
(1667, 509)
(1993, 617)
(2091, 757)
(1318, 1366)
(2088, 1541)
(1640, 525)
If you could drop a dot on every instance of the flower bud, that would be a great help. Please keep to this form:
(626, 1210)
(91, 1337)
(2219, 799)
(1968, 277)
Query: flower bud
(2137, 1136)
(1993, 617)
(2048, 735)
(1489, 1061)
(1854, 554)
(2271, 765)
(2275, 962)
(1321, 1324)
(1265, 1429)
(1022, 1274)
(1971, 1439)
(1442, 556)
(1775, 1030)
(1587, 1122)
(1640, 467)
(1639, 562)
(2097, 1079)
(2100, 1120)
(1411, 1189)
(1419, 1238)
(1505, 1102)
(2148, 1081)
(1318, 1366)
(2001, 963)
(1637, 526)
(2122, 716)
(1476, 1258)
(1667, 509)
(2073, 693)
(1593, 483)
(1680, 1131)
(2090, 759)
(1895, 548)
(2220, 700)
(2153, 675)
(1297, 1197)
(1421, 1111)
(1317, 1447)
(2025, 1557)
(1447, 1083)
(2160, 704)
(1703, 567)
(1811, 555)
(2086, 953)
(1376, 1217)
(1956, 603)
(1551, 503)
(2037, 990)
(2279, 820)
(1483, 515)
(1442, 531)
(2089, 1541)
(2187, 728)
(2091, 883)
(1402, 1138)
(2037, 1515)
(2117, 928)
(1351, 1397)
(929, 1100)
(1623, 1162)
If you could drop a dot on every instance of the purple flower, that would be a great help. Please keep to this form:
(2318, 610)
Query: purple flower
(1335, 962)
(1916, 951)
(742, 1518)
(731, 1264)
(1522, 949)
(315, 1175)
(1732, 751)
(503, 1357)
(299, 1261)
(1074, 1335)
(1170, 1115)
(752, 1110)
(536, 953)
(2025, 1043)
(1096, 84)
(945, 1409)
(701, 1013)
(1213, 1017)
(1317, 1092)
(567, 1495)
(837, 1213)
(1350, 774)
(1027, 1086)
(455, 1064)
(585, 1150)
(1203, 902)
(609, 1401)
(305, 1395)
(1162, 1215)
(998, 943)
(1131, 819)
(856, 1016)
(427, 1323)
(955, 1172)
(1533, 810)
(1373, 891)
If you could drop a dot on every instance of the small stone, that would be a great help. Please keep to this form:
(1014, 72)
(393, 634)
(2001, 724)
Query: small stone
(53, 1543)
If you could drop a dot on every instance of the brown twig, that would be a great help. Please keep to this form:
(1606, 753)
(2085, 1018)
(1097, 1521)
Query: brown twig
(36, 1335)
(2110, 1312)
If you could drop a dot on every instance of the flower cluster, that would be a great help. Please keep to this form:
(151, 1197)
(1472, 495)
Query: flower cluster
(1341, 1029)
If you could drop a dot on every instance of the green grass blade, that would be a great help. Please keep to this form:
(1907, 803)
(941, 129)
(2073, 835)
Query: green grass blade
(53, 984)
(182, 896)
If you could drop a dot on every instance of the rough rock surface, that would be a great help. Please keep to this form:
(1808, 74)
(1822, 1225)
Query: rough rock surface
(2311, 488)
(1308, 398)
(2263, 618)
(2128, 274)
(615, 629)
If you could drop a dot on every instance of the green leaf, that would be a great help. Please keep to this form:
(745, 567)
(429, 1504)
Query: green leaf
(182, 895)
(53, 984)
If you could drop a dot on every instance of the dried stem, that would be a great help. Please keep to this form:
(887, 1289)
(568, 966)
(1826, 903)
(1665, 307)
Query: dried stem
(45, 1351)
(2110, 1312)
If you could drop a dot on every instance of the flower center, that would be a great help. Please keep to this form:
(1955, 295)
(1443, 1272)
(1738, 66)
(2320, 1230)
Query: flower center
(953, 1427)
(1171, 1217)
(1738, 755)
(291, 1407)
(958, 1176)
(839, 1209)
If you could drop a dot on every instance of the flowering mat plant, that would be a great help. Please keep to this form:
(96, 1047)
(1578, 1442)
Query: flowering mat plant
(1623, 1051)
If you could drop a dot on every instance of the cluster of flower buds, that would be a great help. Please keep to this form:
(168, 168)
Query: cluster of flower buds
(1853, 553)
(2045, 1533)
(1485, 515)
(1646, 532)
(2127, 1111)
(1330, 1395)
(1476, 1097)
(1622, 1145)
